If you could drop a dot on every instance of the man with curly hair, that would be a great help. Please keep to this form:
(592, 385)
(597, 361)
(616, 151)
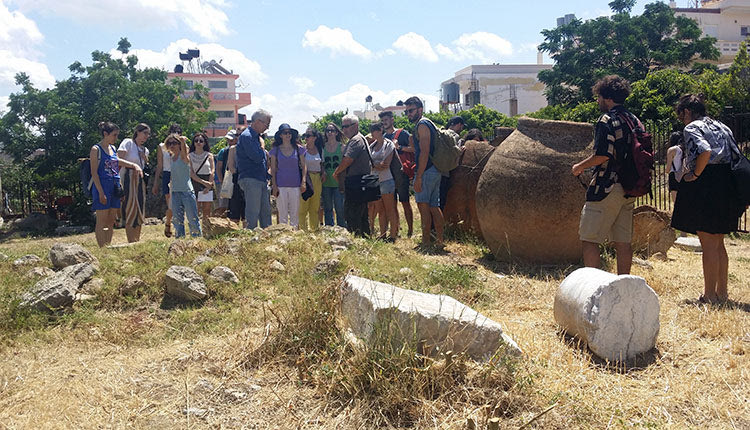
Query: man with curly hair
(608, 212)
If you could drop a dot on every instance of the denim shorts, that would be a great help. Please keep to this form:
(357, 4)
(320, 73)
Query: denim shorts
(165, 178)
(430, 188)
(387, 187)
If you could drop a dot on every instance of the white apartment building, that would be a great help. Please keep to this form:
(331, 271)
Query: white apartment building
(726, 20)
(512, 89)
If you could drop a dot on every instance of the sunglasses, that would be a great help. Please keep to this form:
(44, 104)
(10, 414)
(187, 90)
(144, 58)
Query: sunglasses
(347, 125)
(198, 141)
(308, 135)
(173, 143)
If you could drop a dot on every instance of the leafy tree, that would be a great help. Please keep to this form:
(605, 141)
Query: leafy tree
(630, 46)
(63, 121)
(124, 45)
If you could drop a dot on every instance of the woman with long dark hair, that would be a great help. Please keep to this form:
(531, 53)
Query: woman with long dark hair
(707, 203)
(202, 163)
(333, 197)
(314, 160)
(182, 193)
(288, 171)
(105, 174)
(134, 187)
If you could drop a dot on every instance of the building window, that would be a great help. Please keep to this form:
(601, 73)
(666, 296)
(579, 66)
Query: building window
(189, 85)
(217, 84)
(225, 114)
(745, 30)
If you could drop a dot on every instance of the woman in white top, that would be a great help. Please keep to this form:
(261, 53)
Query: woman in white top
(202, 163)
(310, 208)
(674, 161)
(134, 186)
(164, 169)
(382, 150)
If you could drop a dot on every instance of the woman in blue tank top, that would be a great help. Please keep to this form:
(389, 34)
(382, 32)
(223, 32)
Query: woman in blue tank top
(106, 190)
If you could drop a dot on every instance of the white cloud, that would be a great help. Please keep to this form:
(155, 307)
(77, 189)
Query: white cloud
(302, 83)
(19, 37)
(250, 71)
(416, 46)
(337, 40)
(204, 17)
(481, 46)
(300, 108)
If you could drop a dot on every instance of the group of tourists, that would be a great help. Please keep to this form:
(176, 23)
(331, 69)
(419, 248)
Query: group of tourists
(706, 198)
(336, 177)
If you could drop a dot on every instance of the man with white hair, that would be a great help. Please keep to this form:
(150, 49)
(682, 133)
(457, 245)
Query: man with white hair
(356, 162)
(252, 169)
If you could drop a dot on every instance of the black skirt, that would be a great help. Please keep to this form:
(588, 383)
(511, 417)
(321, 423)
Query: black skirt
(708, 204)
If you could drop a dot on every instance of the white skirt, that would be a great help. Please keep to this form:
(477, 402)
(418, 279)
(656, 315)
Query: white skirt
(206, 197)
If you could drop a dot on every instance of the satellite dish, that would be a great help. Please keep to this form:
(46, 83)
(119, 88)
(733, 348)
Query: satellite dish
(368, 99)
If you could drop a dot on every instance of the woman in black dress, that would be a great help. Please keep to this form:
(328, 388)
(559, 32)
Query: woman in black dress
(707, 203)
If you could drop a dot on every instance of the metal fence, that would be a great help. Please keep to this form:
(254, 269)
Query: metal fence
(660, 198)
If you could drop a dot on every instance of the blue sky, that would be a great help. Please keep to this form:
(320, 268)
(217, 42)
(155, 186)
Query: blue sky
(299, 59)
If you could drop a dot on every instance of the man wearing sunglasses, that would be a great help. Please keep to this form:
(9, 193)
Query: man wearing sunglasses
(427, 177)
(405, 149)
(356, 162)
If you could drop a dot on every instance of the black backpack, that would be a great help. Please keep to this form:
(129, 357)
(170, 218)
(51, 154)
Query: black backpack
(85, 172)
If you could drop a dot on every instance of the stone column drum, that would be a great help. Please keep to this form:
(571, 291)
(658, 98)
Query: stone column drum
(617, 316)
(528, 202)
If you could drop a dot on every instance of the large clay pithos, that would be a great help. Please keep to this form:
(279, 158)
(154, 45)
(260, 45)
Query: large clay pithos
(528, 202)
(460, 207)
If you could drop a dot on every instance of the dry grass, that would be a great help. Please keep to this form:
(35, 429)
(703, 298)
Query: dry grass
(127, 363)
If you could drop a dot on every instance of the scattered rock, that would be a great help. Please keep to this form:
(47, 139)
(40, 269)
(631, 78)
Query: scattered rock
(122, 245)
(40, 272)
(27, 260)
(617, 316)
(405, 271)
(643, 263)
(689, 244)
(284, 240)
(651, 231)
(131, 285)
(335, 229)
(178, 248)
(273, 249)
(214, 226)
(327, 266)
(276, 265)
(500, 276)
(58, 290)
(223, 274)
(94, 286)
(152, 221)
(438, 322)
(82, 297)
(65, 230)
(184, 283)
(200, 260)
(35, 222)
(66, 254)
(342, 242)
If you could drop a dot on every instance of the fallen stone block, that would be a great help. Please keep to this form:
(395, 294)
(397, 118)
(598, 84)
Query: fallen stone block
(617, 316)
(184, 283)
(131, 285)
(67, 254)
(58, 290)
(439, 322)
(40, 272)
(214, 226)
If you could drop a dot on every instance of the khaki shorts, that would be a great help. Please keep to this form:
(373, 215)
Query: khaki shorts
(611, 218)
